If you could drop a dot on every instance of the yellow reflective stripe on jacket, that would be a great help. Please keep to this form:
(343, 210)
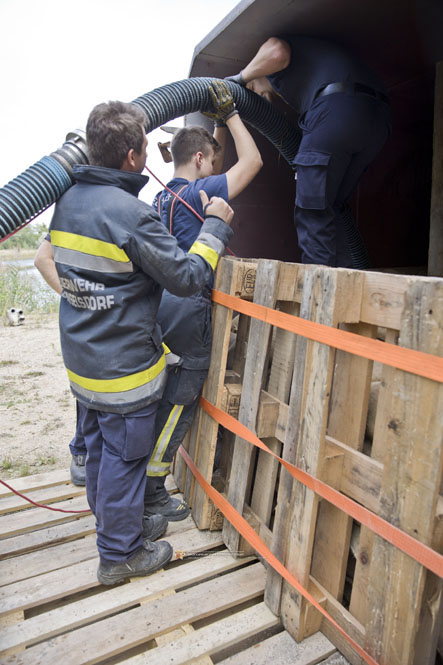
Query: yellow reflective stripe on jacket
(209, 254)
(122, 383)
(87, 245)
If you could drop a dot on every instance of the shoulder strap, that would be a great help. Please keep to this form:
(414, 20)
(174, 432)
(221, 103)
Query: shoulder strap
(171, 208)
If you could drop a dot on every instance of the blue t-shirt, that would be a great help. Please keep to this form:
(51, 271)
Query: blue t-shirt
(314, 64)
(186, 225)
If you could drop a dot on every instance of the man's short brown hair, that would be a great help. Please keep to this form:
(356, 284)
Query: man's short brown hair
(114, 128)
(190, 140)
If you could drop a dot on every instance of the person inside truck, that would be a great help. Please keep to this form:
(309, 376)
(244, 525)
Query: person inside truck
(345, 119)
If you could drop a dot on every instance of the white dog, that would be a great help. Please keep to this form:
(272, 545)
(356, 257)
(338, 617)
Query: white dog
(14, 317)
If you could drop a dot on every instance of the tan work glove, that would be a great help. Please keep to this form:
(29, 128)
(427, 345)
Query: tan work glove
(222, 101)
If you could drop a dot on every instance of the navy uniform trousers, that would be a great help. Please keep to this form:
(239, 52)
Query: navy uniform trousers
(186, 327)
(118, 448)
(342, 134)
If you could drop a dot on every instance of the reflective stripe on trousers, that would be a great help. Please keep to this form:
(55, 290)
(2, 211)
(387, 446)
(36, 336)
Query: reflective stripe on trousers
(156, 467)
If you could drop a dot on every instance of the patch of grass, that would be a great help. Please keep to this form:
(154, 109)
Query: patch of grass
(24, 470)
(33, 374)
(26, 422)
(43, 461)
(6, 464)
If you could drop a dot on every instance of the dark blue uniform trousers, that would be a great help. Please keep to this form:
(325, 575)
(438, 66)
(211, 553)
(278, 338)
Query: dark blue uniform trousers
(186, 326)
(118, 448)
(342, 135)
(77, 445)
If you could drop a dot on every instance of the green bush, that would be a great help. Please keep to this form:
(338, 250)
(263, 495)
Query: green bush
(28, 238)
(20, 289)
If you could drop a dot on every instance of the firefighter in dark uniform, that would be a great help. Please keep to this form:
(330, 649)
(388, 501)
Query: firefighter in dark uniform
(345, 120)
(113, 257)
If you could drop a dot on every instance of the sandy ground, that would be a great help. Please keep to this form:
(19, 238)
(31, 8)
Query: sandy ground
(37, 410)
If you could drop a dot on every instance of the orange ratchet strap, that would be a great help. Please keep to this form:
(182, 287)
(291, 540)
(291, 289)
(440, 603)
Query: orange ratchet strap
(253, 539)
(416, 362)
(414, 548)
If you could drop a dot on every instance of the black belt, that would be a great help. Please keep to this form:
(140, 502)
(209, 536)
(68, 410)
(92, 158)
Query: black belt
(357, 88)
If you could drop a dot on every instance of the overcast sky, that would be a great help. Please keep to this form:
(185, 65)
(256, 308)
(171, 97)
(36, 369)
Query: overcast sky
(60, 58)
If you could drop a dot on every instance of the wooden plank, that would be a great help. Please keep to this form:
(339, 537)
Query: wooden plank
(311, 376)
(435, 258)
(289, 288)
(347, 419)
(143, 589)
(35, 563)
(44, 496)
(325, 288)
(350, 391)
(339, 613)
(73, 579)
(348, 654)
(289, 453)
(282, 649)
(38, 518)
(137, 626)
(411, 481)
(52, 535)
(282, 363)
(259, 336)
(279, 385)
(38, 481)
(359, 601)
(210, 639)
(383, 299)
(228, 278)
(361, 475)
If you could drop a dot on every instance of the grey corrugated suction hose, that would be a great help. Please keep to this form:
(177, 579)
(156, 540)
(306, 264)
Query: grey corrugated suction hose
(42, 184)
(190, 95)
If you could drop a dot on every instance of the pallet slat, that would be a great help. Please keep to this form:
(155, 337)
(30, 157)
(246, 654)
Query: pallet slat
(73, 579)
(81, 612)
(205, 641)
(137, 626)
(282, 649)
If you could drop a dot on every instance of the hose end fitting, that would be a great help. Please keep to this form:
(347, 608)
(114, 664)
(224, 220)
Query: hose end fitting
(73, 151)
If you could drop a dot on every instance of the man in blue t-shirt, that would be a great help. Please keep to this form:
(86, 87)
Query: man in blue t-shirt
(345, 119)
(186, 322)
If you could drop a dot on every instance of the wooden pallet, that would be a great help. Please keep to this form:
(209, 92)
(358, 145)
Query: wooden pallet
(310, 404)
(53, 610)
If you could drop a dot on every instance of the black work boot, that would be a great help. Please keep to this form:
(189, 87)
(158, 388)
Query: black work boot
(78, 471)
(147, 560)
(154, 526)
(173, 509)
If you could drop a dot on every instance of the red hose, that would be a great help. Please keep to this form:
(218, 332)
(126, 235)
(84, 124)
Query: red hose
(182, 201)
(41, 505)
